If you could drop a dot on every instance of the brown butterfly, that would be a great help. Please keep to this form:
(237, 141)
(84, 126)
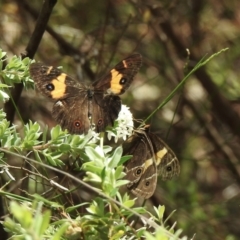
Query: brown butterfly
(151, 157)
(79, 107)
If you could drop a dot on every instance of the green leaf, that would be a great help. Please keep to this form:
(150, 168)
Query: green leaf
(72, 208)
(119, 172)
(114, 160)
(45, 222)
(2, 55)
(117, 235)
(60, 232)
(129, 203)
(92, 167)
(121, 183)
(93, 154)
(52, 204)
(124, 159)
(57, 133)
(92, 177)
(64, 147)
(160, 211)
(21, 213)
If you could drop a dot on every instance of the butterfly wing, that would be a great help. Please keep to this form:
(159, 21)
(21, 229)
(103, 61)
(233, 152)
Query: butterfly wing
(148, 182)
(121, 76)
(114, 83)
(78, 114)
(141, 169)
(77, 107)
(112, 107)
(53, 83)
(150, 154)
(72, 114)
(166, 160)
(103, 110)
(71, 101)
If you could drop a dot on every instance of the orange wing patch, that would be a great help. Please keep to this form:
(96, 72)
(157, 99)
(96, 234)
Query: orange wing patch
(160, 154)
(59, 86)
(116, 87)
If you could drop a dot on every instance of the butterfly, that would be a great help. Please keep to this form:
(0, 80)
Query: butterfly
(79, 107)
(151, 157)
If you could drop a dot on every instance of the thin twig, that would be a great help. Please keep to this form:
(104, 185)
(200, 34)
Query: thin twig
(31, 49)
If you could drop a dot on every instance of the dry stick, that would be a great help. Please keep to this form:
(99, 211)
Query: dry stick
(220, 104)
(32, 46)
(35, 40)
(30, 51)
(65, 47)
(119, 38)
(110, 12)
(103, 30)
(231, 159)
(231, 156)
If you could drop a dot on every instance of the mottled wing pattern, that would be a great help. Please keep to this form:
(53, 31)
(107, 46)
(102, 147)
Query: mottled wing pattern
(70, 109)
(72, 114)
(121, 76)
(166, 160)
(79, 114)
(79, 107)
(52, 82)
(134, 167)
(104, 110)
(141, 169)
(150, 153)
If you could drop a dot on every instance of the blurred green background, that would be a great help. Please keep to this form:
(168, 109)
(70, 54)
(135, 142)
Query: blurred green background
(201, 123)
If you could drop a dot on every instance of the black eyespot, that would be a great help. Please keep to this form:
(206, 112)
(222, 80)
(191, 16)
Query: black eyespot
(139, 171)
(77, 124)
(100, 122)
(50, 87)
(123, 81)
(147, 183)
(169, 169)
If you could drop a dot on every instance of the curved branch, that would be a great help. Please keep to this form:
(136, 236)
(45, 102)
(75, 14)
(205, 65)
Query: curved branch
(220, 104)
(31, 49)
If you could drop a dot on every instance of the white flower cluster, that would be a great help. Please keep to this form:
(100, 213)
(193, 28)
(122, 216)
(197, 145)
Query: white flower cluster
(123, 126)
(95, 137)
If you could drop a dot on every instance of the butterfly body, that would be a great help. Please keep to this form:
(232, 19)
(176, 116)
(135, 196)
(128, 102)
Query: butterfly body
(78, 106)
(151, 157)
